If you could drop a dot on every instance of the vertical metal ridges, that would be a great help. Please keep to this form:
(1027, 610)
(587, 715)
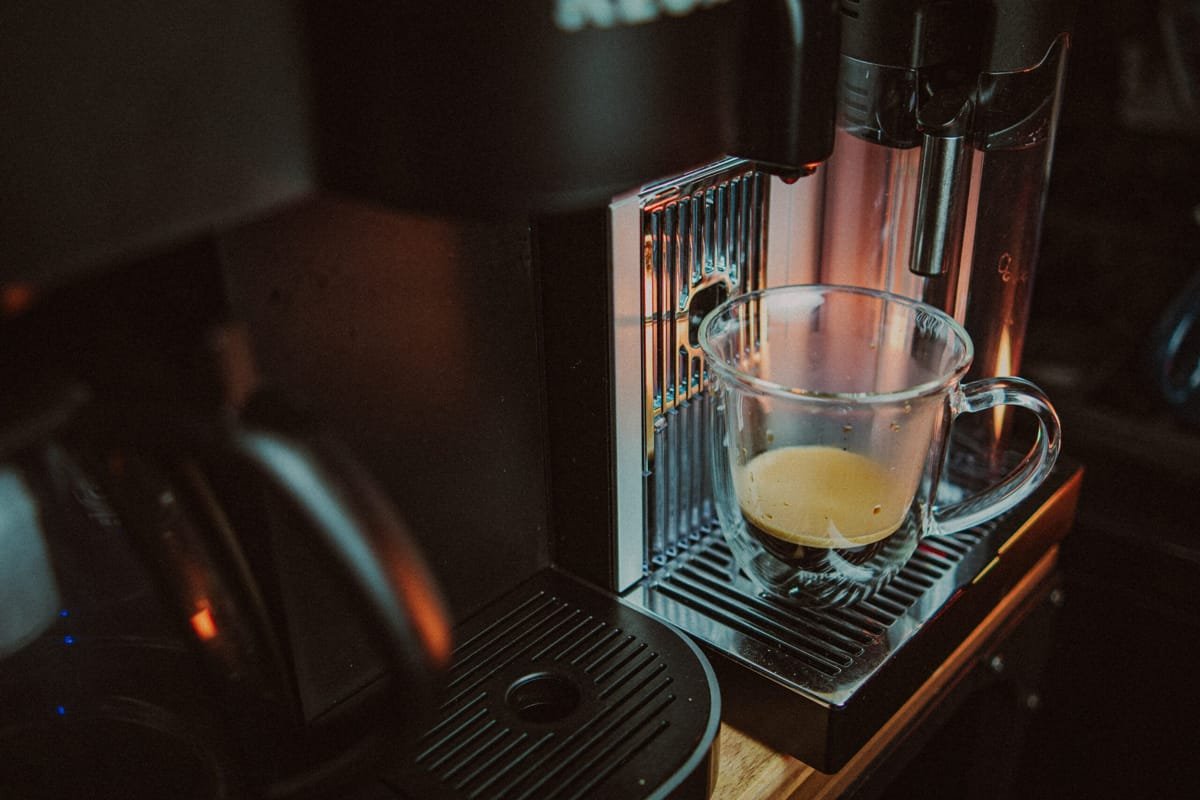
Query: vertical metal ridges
(703, 240)
(483, 748)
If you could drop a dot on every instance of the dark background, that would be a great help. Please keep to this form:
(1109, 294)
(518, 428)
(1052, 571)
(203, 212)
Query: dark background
(1120, 715)
(1117, 713)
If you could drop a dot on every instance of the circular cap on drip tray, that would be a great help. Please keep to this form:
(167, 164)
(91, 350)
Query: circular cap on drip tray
(560, 691)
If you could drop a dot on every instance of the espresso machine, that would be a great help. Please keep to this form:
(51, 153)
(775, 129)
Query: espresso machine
(440, 268)
(944, 123)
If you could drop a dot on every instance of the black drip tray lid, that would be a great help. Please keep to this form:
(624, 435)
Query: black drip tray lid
(560, 691)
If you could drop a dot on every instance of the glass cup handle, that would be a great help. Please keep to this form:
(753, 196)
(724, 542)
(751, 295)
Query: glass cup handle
(985, 394)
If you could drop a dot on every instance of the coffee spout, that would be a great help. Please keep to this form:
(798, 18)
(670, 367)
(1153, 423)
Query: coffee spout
(945, 180)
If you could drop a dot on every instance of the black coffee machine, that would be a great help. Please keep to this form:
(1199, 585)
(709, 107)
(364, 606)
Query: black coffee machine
(410, 213)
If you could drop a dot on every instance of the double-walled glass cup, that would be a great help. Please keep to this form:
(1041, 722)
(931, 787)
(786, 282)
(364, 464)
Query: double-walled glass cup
(830, 425)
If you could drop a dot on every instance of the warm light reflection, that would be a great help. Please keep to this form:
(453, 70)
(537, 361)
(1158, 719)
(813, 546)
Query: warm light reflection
(15, 298)
(203, 624)
(428, 614)
(1004, 365)
(430, 620)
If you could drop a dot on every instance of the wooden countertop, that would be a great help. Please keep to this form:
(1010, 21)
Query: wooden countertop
(749, 770)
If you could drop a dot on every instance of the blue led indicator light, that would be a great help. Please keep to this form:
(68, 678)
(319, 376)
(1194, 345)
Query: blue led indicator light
(64, 613)
(60, 710)
(68, 640)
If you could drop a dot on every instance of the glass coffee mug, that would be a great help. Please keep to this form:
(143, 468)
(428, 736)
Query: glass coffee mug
(830, 424)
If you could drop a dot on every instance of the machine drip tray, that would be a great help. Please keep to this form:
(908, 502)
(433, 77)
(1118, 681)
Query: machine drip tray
(819, 683)
(559, 691)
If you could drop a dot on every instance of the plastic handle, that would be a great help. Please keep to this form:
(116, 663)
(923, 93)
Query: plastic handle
(355, 524)
(1018, 484)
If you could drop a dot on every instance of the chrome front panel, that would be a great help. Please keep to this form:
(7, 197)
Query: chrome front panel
(679, 247)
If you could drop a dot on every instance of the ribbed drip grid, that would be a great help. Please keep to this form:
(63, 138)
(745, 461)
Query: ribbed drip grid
(554, 695)
(817, 683)
(827, 652)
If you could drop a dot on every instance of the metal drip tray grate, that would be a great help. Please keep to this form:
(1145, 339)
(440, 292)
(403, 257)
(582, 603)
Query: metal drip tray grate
(819, 682)
(557, 692)
(830, 648)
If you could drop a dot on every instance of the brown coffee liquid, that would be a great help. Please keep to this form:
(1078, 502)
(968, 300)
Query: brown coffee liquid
(802, 502)
(807, 556)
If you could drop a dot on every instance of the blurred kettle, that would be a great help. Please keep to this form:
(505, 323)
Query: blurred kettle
(198, 604)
